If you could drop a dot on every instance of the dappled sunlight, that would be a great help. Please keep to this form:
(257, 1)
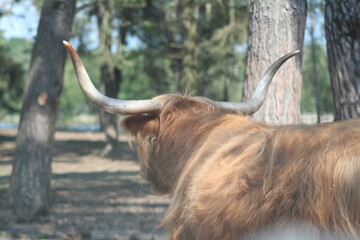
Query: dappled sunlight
(91, 197)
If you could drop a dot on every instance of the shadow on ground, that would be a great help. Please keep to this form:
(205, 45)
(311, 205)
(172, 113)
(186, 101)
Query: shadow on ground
(92, 197)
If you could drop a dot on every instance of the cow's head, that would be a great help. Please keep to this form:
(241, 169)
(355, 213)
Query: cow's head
(168, 127)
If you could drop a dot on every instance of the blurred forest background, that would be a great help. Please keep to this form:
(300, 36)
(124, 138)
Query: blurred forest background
(142, 39)
(137, 49)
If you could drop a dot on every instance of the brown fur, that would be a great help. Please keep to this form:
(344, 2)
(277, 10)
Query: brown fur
(230, 177)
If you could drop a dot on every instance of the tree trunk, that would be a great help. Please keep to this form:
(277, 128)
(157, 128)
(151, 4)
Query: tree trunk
(314, 69)
(31, 175)
(110, 82)
(110, 75)
(188, 11)
(342, 21)
(276, 28)
(226, 89)
(204, 90)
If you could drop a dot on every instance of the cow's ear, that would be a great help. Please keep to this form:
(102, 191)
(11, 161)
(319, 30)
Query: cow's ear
(143, 124)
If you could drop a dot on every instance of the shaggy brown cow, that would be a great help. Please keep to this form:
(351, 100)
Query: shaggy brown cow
(230, 177)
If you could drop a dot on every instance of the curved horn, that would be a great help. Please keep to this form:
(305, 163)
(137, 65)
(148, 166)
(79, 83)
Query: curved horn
(258, 98)
(126, 107)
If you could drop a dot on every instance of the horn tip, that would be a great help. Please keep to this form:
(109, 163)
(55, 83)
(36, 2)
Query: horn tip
(68, 46)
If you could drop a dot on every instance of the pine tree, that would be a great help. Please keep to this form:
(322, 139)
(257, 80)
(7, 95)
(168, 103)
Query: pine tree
(342, 20)
(31, 175)
(276, 28)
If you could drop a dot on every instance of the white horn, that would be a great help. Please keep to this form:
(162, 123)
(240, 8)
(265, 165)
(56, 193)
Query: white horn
(126, 107)
(258, 98)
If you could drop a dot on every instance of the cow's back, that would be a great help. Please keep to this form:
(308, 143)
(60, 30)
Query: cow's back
(247, 176)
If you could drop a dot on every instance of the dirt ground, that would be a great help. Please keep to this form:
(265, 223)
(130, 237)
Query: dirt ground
(92, 197)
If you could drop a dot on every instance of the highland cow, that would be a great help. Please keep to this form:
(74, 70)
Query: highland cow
(230, 177)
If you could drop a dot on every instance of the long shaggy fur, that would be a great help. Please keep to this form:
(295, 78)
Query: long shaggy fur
(230, 178)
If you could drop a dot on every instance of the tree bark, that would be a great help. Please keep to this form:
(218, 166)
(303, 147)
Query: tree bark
(31, 175)
(276, 28)
(342, 21)
(109, 85)
(110, 77)
(188, 11)
(314, 69)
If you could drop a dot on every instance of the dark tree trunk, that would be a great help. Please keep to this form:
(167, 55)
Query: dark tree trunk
(204, 90)
(110, 83)
(188, 11)
(110, 75)
(31, 175)
(276, 28)
(342, 21)
(226, 90)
